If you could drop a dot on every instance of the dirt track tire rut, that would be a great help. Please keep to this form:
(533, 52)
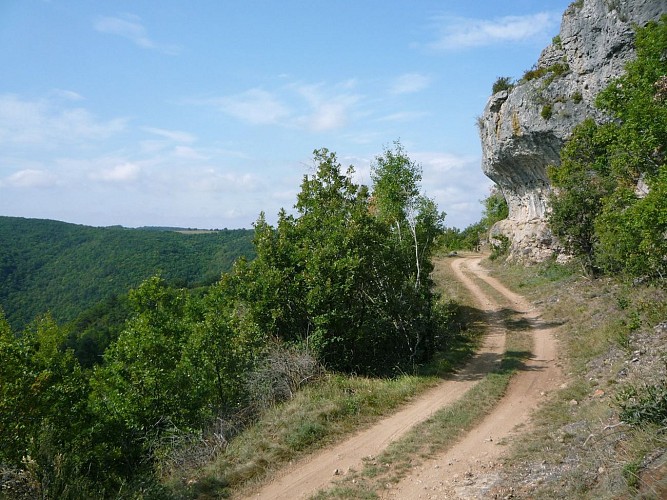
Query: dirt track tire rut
(434, 479)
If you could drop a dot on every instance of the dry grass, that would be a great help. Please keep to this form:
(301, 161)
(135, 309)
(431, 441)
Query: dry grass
(578, 448)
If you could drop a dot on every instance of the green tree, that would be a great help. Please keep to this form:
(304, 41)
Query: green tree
(608, 206)
(495, 207)
(43, 405)
(581, 183)
(347, 275)
(144, 386)
(221, 350)
(398, 202)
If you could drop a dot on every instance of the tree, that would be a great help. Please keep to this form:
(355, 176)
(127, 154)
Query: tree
(347, 275)
(43, 404)
(608, 205)
(581, 183)
(145, 386)
(397, 202)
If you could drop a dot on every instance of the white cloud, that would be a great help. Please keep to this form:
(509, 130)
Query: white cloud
(326, 109)
(457, 32)
(312, 107)
(456, 182)
(68, 95)
(131, 28)
(444, 162)
(409, 83)
(213, 180)
(403, 116)
(188, 153)
(172, 135)
(124, 172)
(48, 123)
(30, 178)
(254, 106)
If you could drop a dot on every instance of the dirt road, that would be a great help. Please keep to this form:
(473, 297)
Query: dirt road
(463, 471)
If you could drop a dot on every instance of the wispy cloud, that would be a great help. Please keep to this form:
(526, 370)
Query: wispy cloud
(218, 181)
(409, 83)
(456, 182)
(313, 107)
(124, 172)
(130, 27)
(30, 178)
(326, 109)
(48, 123)
(67, 95)
(458, 32)
(255, 106)
(403, 116)
(172, 135)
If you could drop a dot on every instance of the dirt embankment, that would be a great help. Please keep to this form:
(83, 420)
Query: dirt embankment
(467, 469)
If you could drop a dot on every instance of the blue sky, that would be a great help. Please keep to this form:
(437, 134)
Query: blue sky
(204, 113)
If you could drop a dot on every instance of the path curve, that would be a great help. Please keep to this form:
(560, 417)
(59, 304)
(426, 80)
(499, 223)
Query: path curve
(307, 476)
(469, 469)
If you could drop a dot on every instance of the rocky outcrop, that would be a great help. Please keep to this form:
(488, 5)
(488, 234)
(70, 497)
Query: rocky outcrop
(523, 128)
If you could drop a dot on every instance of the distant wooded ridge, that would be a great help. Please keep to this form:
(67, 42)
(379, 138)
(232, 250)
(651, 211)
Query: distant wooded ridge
(63, 268)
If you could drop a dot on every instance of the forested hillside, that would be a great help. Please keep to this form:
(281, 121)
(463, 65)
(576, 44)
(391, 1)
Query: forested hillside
(64, 269)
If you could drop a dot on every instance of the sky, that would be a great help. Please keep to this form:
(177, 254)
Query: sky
(205, 113)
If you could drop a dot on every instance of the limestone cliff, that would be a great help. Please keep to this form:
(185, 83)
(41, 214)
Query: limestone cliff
(523, 129)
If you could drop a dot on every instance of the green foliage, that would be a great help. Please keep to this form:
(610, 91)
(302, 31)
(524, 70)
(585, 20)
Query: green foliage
(495, 209)
(43, 408)
(547, 111)
(553, 72)
(597, 209)
(500, 246)
(577, 97)
(581, 182)
(645, 405)
(345, 282)
(557, 42)
(349, 274)
(502, 83)
(64, 269)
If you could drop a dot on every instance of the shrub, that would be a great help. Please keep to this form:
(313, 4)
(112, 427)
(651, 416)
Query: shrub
(556, 70)
(502, 83)
(500, 245)
(283, 371)
(557, 42)
(547, 111)
(646, 405)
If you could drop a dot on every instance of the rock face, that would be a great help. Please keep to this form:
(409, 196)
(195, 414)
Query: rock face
(523, 129)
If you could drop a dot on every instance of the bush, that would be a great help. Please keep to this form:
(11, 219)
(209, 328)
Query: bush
(283, 371)
(556, 70)
(502, 83)
(500, 245)
(646, 405)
